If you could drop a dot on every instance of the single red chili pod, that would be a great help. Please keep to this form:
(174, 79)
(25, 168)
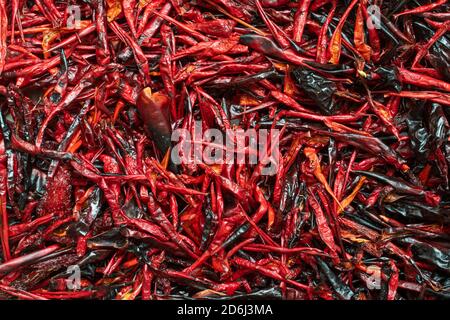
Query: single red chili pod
(154, 111)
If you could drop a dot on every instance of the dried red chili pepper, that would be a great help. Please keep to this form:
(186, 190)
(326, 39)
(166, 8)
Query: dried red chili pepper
(107, 120)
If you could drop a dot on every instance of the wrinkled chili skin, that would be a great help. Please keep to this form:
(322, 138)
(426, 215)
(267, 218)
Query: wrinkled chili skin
(109, 121)
(318, 88)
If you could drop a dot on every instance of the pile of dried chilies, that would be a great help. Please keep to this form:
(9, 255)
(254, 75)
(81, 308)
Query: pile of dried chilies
(90, 92)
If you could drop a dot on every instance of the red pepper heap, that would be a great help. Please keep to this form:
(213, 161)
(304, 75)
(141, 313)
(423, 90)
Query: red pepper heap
(92, 94)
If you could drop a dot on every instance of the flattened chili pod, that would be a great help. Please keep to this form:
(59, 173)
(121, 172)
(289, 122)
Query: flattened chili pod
(154, 111)
(274, 3)
(267, 47)
(438, 126)
(389, 77)
(370, 144)
(260, 43)
(318, 88)
(438, 256)
(441, 65)
(338, 285)
(403, 186)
